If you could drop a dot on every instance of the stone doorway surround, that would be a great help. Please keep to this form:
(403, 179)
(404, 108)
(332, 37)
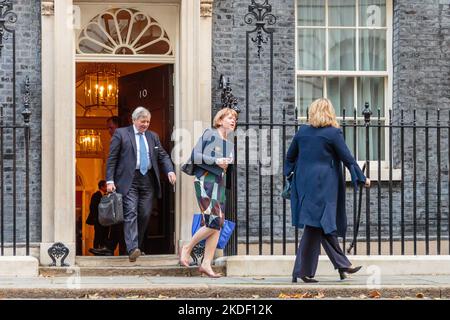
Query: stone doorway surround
(192, 104)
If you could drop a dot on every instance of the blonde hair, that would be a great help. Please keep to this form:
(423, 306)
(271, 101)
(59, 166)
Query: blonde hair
(321, 114)
(222, 114)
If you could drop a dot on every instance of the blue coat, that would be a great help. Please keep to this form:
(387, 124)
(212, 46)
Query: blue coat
(210, 146)
(317, 194)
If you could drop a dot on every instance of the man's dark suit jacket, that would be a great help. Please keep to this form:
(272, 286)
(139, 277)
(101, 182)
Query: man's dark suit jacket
(121, 164)
(93, 208)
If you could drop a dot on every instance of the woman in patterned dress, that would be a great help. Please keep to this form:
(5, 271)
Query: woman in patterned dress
(213, 157)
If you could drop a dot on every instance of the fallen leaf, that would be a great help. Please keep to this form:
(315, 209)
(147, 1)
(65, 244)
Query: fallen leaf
(374, 294)
(419, 295)
(319, 295)
(307, 295)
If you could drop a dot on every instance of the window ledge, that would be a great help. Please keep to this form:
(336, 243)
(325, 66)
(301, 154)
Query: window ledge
(396, 173)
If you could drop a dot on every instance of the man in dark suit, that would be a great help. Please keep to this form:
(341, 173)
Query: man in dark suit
(133, 170)
(100, 232)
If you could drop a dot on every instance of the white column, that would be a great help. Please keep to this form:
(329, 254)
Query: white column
(205, 58)
(63, 180)
(64, 187)
(195, 95)
(48, 122)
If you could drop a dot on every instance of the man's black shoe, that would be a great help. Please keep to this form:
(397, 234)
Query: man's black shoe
(101, 251)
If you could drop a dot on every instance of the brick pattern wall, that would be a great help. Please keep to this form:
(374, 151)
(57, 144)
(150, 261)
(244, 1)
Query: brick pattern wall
(28, 63)
(421, 70)
(421, 38)
(229, 59)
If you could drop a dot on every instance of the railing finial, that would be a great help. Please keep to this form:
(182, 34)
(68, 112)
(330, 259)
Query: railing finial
(367, 113)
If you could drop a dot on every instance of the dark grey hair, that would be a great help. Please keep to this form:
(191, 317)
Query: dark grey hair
(140, 112)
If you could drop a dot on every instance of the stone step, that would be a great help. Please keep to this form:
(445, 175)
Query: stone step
(109, 271)
(122, 261)
(216, 288)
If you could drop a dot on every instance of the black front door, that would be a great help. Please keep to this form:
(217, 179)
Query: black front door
(153, 89)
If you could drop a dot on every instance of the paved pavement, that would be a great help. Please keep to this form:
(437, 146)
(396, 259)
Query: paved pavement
(154, 287)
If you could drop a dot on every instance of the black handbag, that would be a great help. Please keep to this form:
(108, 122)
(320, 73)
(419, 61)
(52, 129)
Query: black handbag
(188, 168)
(286, 194)
(110, 209)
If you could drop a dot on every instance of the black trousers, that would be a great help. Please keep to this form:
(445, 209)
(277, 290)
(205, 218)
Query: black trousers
(309, 250)
(100, 235)
(137, 206)
(116, 237)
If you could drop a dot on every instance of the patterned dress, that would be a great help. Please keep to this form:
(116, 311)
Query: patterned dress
(210, 193)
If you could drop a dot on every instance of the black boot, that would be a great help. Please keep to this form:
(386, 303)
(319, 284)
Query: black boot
(343, 271)
(308, 279)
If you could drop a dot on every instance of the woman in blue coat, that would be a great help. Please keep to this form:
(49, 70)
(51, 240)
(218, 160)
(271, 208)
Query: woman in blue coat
(317, 194)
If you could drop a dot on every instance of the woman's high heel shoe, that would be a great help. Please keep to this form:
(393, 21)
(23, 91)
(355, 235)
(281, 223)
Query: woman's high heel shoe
(209, 274)
(306, 279)
(184, 262)
(343, 271)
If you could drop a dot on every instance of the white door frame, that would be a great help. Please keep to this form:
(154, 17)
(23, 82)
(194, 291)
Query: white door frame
(192, 99)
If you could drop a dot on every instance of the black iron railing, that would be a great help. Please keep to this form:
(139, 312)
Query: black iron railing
(14, 146)
(406, 211)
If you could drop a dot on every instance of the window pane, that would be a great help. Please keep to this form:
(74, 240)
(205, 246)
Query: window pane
(341, 13)
(372, 50)
(371, 90)
(311, 13)
(308, 90)
(340, 92)
(348, 132)
(342, 49)
(373, 144)
(372, 13)
(311, 49)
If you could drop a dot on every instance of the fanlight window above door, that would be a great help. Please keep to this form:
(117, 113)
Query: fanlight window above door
(124, 31)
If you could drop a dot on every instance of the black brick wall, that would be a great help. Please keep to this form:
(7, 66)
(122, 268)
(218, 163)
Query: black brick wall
(28, 63)
(421, 78)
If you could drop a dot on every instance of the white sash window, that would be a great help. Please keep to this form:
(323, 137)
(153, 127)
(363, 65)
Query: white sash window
(344, 54)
